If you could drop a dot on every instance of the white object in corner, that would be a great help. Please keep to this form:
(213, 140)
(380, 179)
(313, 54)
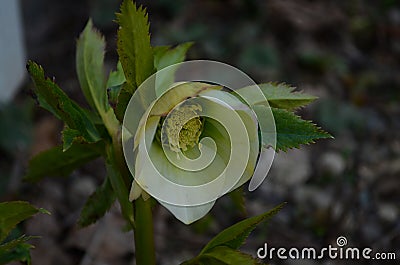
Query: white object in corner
(12, 53)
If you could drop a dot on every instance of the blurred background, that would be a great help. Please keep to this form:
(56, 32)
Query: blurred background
(345, 52)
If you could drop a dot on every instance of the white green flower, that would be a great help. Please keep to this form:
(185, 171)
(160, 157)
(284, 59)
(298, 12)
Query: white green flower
(195, 143)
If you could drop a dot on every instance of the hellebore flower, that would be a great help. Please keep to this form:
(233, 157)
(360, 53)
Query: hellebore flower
(193, 144)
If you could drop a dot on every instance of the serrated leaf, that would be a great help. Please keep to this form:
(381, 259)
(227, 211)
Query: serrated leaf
(119, 187)
(97, 204)
(134, 51)
(16, 250)
(12, 213)
(8, 246)
(52, 98)
(234, 236)
(55, 162)
(133, 45)
(90, 67)
(222, 255)
(166, 56)
(292, 131)
(280, 95)
(283, 96)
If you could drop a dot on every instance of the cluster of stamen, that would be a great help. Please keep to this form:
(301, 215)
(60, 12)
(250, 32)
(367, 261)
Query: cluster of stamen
(183, 127)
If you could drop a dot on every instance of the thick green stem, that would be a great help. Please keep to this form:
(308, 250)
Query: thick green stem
(144, 235)
(143, 221)
(143, 224)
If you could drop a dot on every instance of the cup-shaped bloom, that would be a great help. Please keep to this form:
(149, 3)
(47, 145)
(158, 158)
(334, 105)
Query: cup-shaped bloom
(193, 144)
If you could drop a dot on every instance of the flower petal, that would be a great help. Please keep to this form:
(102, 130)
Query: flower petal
(172, 185)
(170, 171)
(251, 124)
(189, 214)
(177, 94)
(135, 192)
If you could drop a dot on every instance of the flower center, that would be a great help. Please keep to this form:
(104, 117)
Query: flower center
(183, 127)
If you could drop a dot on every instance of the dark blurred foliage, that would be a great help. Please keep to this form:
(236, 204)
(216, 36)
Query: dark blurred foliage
(345, 52)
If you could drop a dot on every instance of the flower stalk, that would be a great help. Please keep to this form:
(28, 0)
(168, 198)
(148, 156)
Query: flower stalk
(144, 233)
(143, 225)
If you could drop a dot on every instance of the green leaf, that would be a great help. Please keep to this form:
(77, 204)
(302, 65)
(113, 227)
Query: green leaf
(16, 250)
(124, 97)
(133, 45)
(166, 56)
(91, 74)
(115, 83)
(292, 131)
(69, 136)
(234, 236)
(134, 51)
(90, 67)
(113, 95)
(117, 77)
(119, 186)
(227, 256)
(52, 98)
(281, 95)
(8, 246)
(97, 204)
(12, 213)
(55, 162)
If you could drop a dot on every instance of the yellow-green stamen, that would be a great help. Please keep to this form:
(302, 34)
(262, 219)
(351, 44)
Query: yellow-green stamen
(181, 131)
